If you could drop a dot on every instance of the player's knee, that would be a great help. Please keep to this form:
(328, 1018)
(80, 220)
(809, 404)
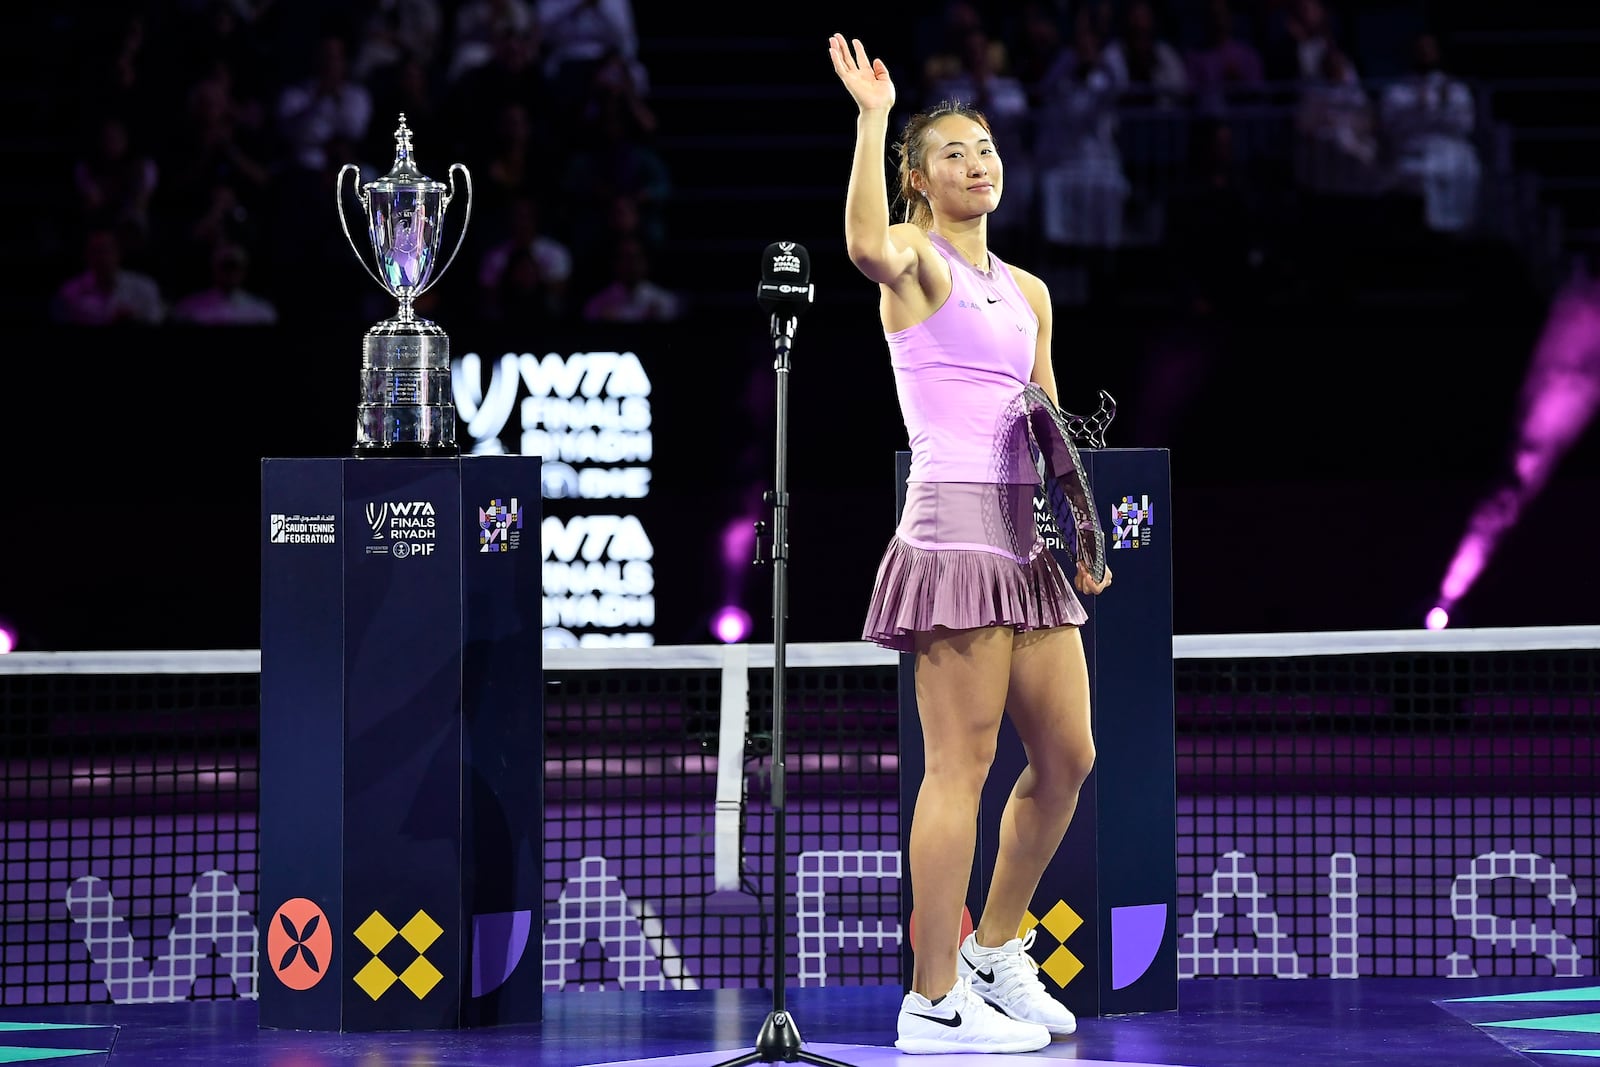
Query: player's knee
(1080, 761)
(961, 767)
(1070, 765)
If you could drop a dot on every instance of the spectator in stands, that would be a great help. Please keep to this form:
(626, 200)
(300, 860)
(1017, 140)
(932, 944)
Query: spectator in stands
(478, 28)
(395, 31)
(1428, 119)
(124, 74)
(1100, 16)
(324, 122)
(1038, 46)
(1336, 138)
(476, 100)
(580, 36)
(326, 108)
(213, 149)
(1309, 34)
(226, 302)
(623, 220)
(612, 86)
(1143, 65)
(591, 266)
(983, 81)
(1224, 65)
(1082, 187)
(116, 180)
(615, 159)
(631, 295)
(947, 39)
(542, 265)
(235, 98)
(228, 34)
(107, 293)
(513, 167)
(406, 87)
(216, 218)
(520, 300)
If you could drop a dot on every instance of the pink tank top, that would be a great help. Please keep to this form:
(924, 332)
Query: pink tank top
(959, 371)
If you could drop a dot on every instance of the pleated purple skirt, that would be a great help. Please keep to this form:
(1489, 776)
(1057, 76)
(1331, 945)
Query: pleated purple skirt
(967, 554)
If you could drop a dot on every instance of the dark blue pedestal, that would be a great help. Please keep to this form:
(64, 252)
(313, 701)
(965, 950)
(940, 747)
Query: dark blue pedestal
(401, 834)
(1105, 913)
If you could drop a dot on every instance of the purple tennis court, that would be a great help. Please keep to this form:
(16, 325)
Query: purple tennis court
(1428, 892)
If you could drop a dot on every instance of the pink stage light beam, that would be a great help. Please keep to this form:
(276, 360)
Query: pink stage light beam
(1559, 396)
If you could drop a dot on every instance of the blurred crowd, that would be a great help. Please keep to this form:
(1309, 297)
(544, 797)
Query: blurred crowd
(210, 134)
(1185, 123)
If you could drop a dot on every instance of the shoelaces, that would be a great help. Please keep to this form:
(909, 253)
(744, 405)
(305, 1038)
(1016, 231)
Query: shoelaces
(1024, 979)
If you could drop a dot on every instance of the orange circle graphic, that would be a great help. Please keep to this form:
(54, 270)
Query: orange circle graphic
(299, 943)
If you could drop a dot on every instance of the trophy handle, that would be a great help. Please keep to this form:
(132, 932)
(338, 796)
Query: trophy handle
(466, 176)
(338, 200)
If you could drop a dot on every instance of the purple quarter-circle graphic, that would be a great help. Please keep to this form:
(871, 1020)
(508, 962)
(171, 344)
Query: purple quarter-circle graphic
(1136, 932)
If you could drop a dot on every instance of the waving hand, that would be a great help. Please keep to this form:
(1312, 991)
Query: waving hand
(867, 80)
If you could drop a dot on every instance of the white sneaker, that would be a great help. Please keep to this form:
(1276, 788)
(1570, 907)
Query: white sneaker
(1008, 978)
(962, 1022)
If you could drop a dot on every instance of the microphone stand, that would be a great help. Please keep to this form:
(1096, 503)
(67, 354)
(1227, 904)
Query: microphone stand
(779, 1038)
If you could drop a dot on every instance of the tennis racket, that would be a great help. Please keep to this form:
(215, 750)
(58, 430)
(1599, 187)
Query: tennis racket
(1065, 481)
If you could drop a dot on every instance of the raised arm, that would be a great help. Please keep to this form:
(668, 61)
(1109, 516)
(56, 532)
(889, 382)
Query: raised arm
(868, 239)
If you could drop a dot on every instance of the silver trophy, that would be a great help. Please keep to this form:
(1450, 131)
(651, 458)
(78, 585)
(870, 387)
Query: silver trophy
(406, 408)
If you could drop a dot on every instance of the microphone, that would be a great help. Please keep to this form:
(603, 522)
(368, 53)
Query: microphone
(785, 290)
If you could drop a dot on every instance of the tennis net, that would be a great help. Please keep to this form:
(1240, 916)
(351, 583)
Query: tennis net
(1362, 803)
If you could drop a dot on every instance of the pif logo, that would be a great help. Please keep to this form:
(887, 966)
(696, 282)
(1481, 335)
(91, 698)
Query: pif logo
(299, 943)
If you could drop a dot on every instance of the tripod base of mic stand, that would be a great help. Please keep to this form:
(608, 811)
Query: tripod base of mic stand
(780, 1040)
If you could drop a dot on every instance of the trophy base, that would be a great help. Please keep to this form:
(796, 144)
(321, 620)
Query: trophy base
(407, 430)
(407, 407)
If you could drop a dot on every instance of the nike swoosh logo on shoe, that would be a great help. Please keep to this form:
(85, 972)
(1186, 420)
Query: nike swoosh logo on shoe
(954, 1020)
(987, 976)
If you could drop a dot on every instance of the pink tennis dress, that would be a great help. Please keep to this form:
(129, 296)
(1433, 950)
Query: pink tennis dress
(967, 551)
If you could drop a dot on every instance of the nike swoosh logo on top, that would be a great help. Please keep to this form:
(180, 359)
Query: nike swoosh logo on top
(992, 299)
(987, 976)
(954, 1020)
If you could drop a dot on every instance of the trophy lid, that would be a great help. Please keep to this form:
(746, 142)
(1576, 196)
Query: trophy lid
(404, 171)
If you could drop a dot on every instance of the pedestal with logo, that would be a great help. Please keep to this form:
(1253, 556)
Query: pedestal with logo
(1103, 922)
(401, 741)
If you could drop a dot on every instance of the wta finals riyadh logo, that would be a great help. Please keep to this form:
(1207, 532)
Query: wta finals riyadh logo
(1131, 520)
(499, 526)
(786, 261)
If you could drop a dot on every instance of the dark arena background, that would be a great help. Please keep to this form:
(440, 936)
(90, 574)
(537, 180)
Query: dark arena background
(1333, 259)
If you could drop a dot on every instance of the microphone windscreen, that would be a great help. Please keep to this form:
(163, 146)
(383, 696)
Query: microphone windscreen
(785, 277)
